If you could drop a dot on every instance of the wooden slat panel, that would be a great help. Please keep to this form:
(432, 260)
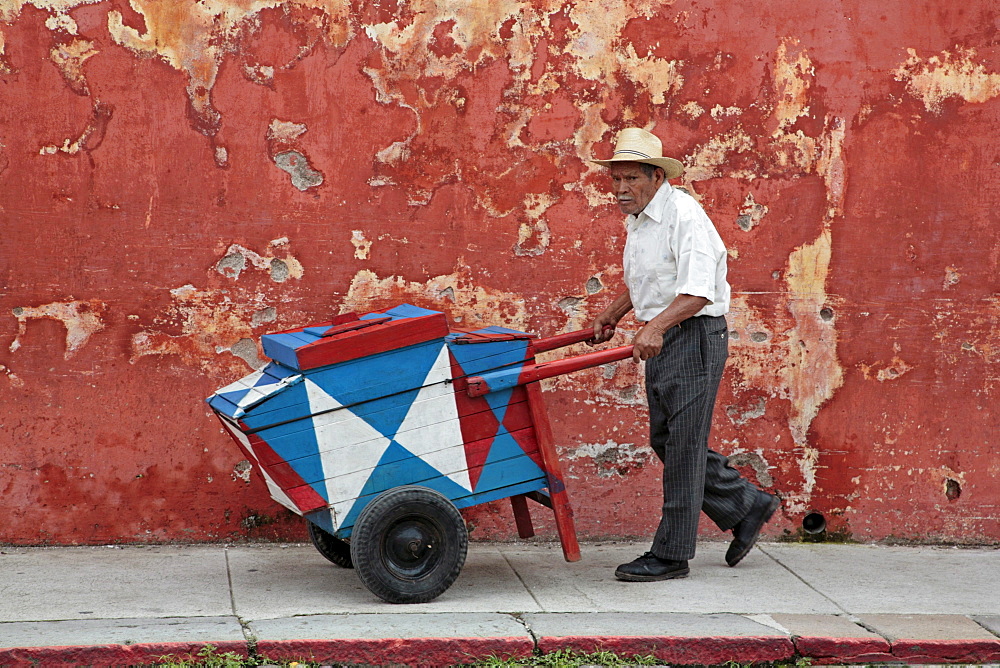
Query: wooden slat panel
(351, 453)
(343, 507)
(297, 417)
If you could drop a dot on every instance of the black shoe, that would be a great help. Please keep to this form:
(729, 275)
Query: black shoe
(650, 568)
(745, 533)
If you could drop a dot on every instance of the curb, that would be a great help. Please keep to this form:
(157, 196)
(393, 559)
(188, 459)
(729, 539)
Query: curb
(112, 655)
(405, 651)
(706, 651)
(686, 650)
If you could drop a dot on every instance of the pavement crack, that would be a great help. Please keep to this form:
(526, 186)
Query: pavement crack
(229, 578)
(523, 583)
(519, 618)
(803, 580)
(248, 634)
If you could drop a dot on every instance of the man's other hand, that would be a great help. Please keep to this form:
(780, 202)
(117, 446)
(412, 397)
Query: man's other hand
(604, 329)
(647, 343)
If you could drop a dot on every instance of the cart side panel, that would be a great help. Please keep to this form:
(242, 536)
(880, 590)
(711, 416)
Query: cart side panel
(426, 424)
(399, 437)
(432, 448)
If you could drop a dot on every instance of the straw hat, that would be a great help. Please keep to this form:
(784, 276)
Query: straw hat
(637, 145)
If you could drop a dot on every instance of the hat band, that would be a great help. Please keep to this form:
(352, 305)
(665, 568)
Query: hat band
(641, 155)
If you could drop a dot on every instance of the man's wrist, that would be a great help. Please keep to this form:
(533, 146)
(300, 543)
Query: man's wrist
(655, 327)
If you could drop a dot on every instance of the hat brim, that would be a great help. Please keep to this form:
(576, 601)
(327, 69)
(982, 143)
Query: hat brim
(672, 168)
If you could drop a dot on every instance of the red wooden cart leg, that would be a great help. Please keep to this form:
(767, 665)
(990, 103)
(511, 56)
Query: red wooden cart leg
(557, 487)
(522, 518)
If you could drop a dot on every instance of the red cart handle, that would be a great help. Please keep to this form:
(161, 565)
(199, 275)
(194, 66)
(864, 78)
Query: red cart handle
(529, 373)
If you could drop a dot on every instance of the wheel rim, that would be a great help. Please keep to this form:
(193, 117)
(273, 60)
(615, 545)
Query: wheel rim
(410, 547)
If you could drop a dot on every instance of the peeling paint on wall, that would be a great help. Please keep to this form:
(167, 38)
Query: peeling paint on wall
(707, 159)
(950, 74)
(613, 460)
(150, 131)
(534, 236)
(234, 262)
(892, 370)
(756, 462)
(82, 320)
(470, 304)
(740, 416)
(362, 246)
(751, 214)
(210, 323)
(14, 380)
(89, 139)
(793, 73)
(69, 58)
(301, 173)
(283, 145)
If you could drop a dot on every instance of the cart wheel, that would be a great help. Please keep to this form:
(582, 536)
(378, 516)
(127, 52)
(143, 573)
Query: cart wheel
(409, 545)
(336, 550)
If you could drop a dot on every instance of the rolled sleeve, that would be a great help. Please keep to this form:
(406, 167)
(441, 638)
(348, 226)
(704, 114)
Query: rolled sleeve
(696, 275)
(697, 257)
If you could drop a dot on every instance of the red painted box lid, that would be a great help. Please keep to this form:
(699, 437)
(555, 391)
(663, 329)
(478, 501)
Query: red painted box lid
(350, 336)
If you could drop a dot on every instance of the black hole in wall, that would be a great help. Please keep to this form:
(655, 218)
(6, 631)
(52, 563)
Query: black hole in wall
(814, 523)
(826, 313)
(952, 489)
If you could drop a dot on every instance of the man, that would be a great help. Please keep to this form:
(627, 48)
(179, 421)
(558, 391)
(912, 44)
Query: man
(675, 274)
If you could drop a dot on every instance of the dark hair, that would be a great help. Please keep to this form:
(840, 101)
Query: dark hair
(650, 170)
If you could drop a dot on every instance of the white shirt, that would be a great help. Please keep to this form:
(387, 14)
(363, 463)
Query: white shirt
(673, 248)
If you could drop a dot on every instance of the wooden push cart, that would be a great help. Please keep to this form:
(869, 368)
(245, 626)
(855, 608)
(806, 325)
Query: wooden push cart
(378, 428)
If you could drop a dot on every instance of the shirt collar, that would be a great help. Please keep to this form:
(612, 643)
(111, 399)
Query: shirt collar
(654, 209)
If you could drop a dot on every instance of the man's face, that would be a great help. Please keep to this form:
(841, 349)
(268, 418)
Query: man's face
(632, 188)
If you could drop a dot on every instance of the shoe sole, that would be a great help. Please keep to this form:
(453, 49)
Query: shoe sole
(773, 506)
(672, 575)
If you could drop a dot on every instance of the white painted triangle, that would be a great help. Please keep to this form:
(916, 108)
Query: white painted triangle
(259, 393)
(349, 450)
(431, 430)
(244, 383)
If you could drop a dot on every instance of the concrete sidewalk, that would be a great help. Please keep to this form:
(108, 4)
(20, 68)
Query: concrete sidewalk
(835, 604)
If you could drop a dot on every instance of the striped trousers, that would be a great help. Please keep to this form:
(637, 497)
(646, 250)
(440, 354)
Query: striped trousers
(681, 386)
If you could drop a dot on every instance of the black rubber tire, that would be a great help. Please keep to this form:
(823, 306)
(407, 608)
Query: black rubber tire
(409, 545)
(336, 550)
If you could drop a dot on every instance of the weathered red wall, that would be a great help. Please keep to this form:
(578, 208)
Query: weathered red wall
(177, 178)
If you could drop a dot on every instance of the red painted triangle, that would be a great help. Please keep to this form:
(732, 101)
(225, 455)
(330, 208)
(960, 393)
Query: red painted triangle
(478, 423)
(517, 421)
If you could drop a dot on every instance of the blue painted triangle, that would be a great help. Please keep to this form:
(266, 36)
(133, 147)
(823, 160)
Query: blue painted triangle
(498, 402)
(274, 372)
(380, 387)
(235, 396)
(387, 413)
(506, 464)
(399, 466)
